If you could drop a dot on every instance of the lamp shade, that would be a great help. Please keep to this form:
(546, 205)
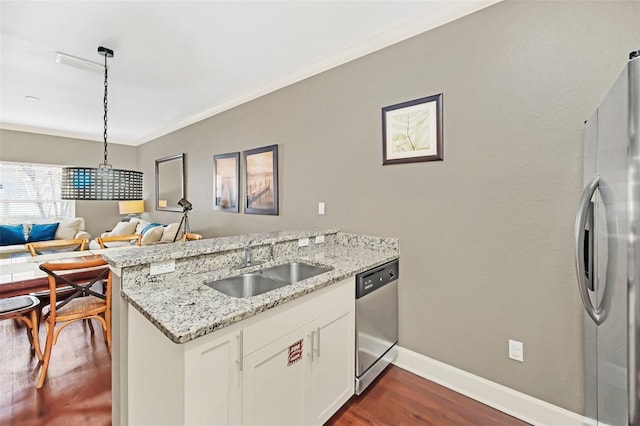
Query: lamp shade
(131, 207)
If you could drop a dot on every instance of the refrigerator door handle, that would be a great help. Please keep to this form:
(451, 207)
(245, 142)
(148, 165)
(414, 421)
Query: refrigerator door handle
(633, 243)
(582, 216)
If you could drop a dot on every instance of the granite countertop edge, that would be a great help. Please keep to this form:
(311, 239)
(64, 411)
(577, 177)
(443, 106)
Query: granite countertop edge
(196, 309)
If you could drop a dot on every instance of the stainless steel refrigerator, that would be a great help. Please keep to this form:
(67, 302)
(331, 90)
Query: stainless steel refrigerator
(608, 253)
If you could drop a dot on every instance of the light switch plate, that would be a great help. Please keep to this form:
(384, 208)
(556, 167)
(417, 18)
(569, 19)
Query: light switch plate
(320, 207)
(157, 268)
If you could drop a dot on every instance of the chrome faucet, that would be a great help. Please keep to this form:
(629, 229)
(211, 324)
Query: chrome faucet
(248, 258)
(271, 247)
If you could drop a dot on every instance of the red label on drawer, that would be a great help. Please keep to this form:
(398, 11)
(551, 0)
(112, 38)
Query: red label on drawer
(295, 353)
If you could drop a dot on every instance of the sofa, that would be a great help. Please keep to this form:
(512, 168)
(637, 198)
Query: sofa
(152, 233)
(14, 237)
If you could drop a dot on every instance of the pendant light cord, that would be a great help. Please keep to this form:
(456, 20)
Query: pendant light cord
(105, 112)
(103, 182)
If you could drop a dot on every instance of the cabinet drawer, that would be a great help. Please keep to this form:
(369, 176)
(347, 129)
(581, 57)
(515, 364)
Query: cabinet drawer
(292, 315)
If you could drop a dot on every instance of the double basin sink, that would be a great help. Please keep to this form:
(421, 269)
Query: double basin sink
(254, 283)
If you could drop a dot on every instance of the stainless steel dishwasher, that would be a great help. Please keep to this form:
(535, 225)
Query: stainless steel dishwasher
(376, 322)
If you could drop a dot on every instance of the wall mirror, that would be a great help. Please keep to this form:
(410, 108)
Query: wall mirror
(170, 183)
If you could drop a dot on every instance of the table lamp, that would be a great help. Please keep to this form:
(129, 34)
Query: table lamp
(131, 208)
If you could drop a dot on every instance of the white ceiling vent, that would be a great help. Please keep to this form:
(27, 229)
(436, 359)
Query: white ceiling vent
(83, 64)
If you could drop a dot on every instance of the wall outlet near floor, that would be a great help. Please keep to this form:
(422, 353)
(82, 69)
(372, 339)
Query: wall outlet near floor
(320, 207)
(303, 242)
(516, 350)
(319, 239)
(157, 268)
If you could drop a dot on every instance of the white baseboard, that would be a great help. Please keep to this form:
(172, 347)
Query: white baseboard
(507, 400)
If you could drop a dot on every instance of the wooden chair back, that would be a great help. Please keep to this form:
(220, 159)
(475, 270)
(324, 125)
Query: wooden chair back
(120, 238)
(191, 237)
(25, 309)
(73, 244)
(84, 303)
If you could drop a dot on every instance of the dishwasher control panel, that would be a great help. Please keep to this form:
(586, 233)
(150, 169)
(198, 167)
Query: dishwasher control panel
(373, 279)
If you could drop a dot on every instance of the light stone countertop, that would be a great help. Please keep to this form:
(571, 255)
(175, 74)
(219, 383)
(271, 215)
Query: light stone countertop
(185, 308)
(177, 250)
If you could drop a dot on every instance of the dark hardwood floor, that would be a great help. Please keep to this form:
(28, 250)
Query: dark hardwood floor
(78, 389)
(398, 397)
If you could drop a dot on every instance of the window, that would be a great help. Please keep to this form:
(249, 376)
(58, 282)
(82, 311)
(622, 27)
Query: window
(30, 193)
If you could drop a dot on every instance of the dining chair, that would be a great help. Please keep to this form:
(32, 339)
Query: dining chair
(25, 309)
(191, 237)
(45, 247)
(120, 239)
(84, 303)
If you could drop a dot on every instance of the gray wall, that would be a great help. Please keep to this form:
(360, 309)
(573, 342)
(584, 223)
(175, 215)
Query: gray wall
(43, 149)
(485, 235)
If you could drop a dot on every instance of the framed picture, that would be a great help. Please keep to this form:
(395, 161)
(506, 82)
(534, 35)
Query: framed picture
(412, 131)
(261, 180)
(226, 174)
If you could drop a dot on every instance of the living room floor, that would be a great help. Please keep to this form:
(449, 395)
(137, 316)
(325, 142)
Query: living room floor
(78, 389)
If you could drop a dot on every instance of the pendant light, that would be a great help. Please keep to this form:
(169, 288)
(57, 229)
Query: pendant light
(103, 182)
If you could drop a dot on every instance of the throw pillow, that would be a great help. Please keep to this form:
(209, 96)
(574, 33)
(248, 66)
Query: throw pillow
(149, 226)
(44, 232)
(170, 232)
(68, 229)
(152, 235)
(124, 228)
(11, 234)
(140, 226)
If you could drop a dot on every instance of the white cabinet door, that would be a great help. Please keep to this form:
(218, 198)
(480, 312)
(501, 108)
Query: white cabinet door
(213, 382)
(332, 364)
(273, 382)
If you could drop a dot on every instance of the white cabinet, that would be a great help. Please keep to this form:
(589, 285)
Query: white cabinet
(305, 376)
(332, 364)
(290, 365)
(273, 386)
(212, 370)
(197, 383)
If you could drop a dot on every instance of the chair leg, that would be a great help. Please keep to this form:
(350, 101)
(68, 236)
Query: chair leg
(35, 339)
(90, 324)
(107, 318)
(47, 354)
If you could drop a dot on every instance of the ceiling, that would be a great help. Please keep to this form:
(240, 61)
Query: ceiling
(178, 62)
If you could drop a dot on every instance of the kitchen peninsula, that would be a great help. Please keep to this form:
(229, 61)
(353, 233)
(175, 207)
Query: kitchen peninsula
(189, 354)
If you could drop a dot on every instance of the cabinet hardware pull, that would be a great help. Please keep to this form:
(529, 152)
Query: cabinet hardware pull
(318, 350)
(311, 338)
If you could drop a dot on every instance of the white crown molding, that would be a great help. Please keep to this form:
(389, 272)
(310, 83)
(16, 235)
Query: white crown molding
(443, 13)
(59, 133)
(439, 16)
(502, 398)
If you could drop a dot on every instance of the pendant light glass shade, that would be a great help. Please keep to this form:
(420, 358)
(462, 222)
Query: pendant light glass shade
(103, 182)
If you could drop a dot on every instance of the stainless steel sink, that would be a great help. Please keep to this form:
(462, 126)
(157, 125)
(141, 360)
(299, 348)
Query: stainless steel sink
(294, 272)
(246, 285)
(253, 284)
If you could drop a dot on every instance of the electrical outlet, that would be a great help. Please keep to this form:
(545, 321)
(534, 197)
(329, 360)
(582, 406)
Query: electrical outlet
(303, 242)
(320, 207)
(516, 350)
(157, 268)
(319, 239)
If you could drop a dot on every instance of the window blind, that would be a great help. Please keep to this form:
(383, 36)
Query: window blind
(30, 193)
